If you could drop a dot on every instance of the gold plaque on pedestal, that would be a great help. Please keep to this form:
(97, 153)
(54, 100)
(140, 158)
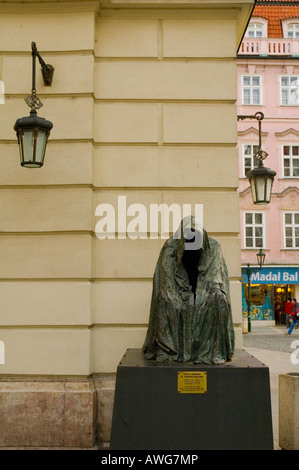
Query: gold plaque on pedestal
(192, 382)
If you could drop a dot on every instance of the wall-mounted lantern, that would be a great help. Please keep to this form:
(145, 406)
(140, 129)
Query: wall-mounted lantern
(260, 178)
(33, 131)
(260, 260)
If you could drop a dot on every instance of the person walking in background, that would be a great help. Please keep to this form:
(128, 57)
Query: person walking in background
(288, 311)
(295, 319)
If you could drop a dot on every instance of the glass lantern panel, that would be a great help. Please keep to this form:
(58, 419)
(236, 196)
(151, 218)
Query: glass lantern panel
(260, 189)
(252, 184)
(33, 147)
(27, 145)
(40, 146)
(269, 183)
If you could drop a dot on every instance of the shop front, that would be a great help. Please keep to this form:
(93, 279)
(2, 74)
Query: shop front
(270, 287)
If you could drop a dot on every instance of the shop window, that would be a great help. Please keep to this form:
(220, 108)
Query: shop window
(290, 155)
(252, 89)
(254, 230)
(289, 90)
(249, 162)
(291, 230)
(261, 301)
(282, 292)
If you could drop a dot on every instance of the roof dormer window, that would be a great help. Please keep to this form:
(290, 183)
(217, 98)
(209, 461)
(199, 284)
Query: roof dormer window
(290, 28)
(293, 30)
(255, 30)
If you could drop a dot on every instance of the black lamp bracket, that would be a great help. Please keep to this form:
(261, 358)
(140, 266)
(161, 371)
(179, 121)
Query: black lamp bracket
(259, 116)
(47, 72)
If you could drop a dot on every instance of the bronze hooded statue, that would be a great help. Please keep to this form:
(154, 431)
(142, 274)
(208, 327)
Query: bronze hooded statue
(190, 315)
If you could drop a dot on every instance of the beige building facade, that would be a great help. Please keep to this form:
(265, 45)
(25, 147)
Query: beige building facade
(143, 105)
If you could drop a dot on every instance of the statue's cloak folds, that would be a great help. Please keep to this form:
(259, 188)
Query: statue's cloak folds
(186, 327)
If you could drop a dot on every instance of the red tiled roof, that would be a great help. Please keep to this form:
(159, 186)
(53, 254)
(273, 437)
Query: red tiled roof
(274, 12)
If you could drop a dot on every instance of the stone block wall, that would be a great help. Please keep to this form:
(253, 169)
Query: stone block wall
(143, 103)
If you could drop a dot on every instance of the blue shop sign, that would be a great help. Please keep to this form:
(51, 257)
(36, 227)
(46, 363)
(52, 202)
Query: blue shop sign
(282, 275)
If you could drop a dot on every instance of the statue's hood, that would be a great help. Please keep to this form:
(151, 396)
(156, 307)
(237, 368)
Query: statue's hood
(191, 235)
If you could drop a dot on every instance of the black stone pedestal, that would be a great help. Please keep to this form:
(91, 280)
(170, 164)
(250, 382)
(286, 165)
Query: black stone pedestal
(162, 406)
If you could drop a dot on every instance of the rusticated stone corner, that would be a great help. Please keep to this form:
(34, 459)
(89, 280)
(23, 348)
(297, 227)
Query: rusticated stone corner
(47, 413)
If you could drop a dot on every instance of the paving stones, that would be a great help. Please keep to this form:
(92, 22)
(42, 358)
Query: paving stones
(272, 338)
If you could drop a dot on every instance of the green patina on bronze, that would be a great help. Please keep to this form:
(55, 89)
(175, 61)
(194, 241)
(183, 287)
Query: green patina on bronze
(188, 324)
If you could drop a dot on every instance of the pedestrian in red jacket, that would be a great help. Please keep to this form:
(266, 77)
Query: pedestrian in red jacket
(295, 319)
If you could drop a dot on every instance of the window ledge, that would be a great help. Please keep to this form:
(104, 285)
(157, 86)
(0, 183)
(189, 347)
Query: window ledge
(255, 249)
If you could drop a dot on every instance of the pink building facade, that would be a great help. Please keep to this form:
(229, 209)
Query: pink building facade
(268, 81)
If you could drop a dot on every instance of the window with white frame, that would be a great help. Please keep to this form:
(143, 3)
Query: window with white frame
(293, 30)
(249, 162)
(289, 90)
(255, 30)
(290, 156)
(254, 231)
(252, 89)
(291, 229)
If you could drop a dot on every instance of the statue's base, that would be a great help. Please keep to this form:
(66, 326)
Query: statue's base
(172, 406)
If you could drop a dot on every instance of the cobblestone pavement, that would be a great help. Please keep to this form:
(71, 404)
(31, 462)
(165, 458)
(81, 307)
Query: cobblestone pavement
(272, 338)
(271, 347)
